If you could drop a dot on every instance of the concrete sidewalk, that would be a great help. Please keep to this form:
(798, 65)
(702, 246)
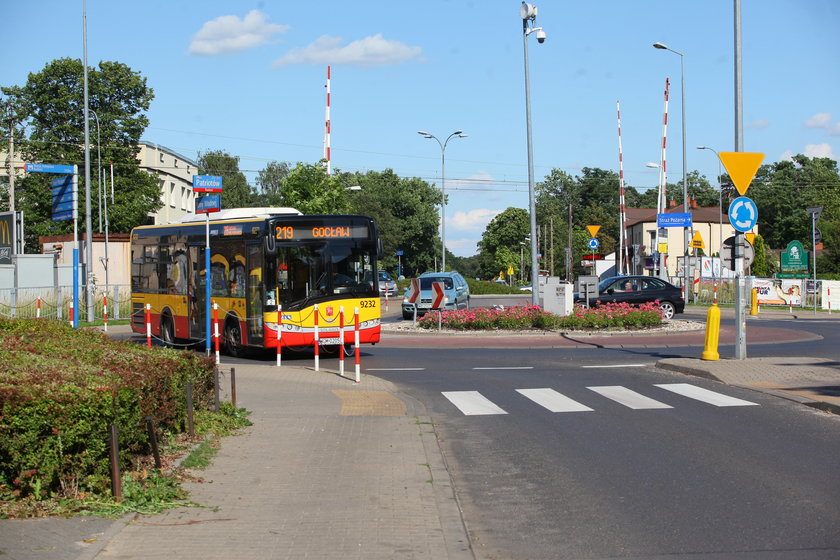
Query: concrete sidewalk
(330, 469)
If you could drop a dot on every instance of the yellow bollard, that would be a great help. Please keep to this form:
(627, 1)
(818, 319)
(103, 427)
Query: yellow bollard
(754, 302)
(710, 348)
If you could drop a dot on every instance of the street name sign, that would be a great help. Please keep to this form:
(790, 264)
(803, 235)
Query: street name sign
(680, 219)
(48, 168)
(207, 183)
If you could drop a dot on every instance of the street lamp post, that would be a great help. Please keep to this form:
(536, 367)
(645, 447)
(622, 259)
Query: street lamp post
(528, 13)
(456, 134)
(686, 208)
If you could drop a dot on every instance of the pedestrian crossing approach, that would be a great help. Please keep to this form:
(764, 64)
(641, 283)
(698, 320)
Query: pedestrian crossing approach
(473, 403)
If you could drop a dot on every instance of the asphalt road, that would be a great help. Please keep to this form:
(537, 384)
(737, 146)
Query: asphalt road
(612, 480)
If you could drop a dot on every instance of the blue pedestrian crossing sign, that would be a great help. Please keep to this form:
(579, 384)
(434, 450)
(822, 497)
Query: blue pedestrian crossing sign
(743, 214)
(593, 243)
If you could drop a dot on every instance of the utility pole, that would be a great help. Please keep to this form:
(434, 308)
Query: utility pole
(11, 162)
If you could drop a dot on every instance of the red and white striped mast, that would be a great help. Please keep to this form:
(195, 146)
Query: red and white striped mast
(327, 125)
(623, 254)
(661, 201)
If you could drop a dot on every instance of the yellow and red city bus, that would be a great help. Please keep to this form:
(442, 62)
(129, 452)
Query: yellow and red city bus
(261, 260)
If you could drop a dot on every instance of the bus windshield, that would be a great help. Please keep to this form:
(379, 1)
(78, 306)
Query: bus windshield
(303, 273)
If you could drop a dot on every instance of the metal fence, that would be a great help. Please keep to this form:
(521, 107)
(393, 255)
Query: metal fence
(55, 302)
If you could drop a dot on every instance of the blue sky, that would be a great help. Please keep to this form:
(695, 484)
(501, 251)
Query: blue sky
(249, 78)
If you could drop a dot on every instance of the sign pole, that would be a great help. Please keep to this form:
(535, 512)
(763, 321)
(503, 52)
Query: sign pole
(814, 258)
(207, 279)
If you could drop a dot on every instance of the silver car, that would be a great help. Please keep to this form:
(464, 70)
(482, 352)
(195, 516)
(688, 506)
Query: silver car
(387, 286)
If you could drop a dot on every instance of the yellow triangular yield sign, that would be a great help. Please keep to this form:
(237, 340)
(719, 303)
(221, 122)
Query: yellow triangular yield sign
(697, 241)
(750, 237)
(593, 230)
(742, 167)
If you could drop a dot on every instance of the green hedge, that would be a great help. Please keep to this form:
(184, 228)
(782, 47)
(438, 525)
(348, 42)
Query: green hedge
(60, 389)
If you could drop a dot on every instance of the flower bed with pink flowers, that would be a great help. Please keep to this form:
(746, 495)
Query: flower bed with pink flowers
(605, 317)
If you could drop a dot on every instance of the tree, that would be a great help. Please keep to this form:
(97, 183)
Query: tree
(405, 210)
(762, 264)
(309, 189)
(49, 109)
(236, 193)
(501, 239)
(271, 180)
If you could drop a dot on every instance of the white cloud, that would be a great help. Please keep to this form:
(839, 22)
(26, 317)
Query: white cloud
(229, 34)
(462, 247)
(819, 151)
(474, 220)
(834, 130)
(820, 120)
(760, 124)
(370, 51)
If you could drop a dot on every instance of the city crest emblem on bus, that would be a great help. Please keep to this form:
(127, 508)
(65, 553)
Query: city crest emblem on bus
(330, 311)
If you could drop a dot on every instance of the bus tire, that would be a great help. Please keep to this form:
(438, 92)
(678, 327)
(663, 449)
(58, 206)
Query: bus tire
(167, 331)
(233, 339)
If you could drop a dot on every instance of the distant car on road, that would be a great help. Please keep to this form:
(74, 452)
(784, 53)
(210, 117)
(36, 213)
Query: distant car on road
(455, 290)
(387, 286)
(636, 290)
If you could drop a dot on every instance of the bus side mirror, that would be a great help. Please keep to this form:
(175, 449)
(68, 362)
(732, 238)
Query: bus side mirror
(380, 250)
(270, 245)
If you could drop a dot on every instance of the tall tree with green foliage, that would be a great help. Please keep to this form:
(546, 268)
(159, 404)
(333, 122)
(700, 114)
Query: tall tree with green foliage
(236, 193)
(270, 181)
(406, 212)
(50, 111)
(309, 189)
(501, 240)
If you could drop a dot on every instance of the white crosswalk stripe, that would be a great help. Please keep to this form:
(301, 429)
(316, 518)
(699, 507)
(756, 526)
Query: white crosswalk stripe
(553, 401)
(704, 395)
(473, 403)
(628, 398)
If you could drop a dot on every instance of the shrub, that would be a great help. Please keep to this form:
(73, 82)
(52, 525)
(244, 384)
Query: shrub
(61, 388)
(609, 316)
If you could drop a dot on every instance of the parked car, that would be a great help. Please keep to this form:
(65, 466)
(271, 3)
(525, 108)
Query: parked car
(636, 290)
(387, 286)
(455, 290)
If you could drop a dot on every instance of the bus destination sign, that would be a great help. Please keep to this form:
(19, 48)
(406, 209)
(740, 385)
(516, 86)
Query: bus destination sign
(309, 232)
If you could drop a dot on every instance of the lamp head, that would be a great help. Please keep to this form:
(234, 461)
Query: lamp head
(658, 45)
(528, 11)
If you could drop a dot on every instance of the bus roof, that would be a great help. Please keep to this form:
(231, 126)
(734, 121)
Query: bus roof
(242, 213)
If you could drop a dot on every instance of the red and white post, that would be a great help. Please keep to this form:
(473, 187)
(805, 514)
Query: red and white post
(279, 334)
(71, 313)
(829, 300)
(105, 310)
(148, 324)
(216, 329)
(358, 352)
(316, 340)
(715, 291)
(341, 341)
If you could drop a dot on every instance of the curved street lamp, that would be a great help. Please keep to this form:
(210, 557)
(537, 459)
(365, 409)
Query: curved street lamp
(528, 13)
(456, 134)
(664, 47)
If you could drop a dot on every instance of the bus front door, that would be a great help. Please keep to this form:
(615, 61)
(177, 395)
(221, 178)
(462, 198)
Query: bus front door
(255, 294)
(197, 293)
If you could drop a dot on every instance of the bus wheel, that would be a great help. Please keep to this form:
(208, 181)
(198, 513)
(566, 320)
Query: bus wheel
(233, 339)
(167, 332)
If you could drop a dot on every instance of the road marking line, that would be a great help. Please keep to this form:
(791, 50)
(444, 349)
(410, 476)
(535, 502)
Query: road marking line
(397, 369)
(472, 403)
(553, 401)
(628, 398)
(616, 366)
(511, 367)
(704, 395)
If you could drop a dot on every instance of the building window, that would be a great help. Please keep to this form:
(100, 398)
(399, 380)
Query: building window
(161, 157)
(172, 200)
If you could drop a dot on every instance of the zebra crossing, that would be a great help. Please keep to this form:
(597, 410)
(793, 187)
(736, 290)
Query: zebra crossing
(473, 403)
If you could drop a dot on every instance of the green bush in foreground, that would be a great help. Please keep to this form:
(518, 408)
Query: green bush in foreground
(61, 389)
(609, 316)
